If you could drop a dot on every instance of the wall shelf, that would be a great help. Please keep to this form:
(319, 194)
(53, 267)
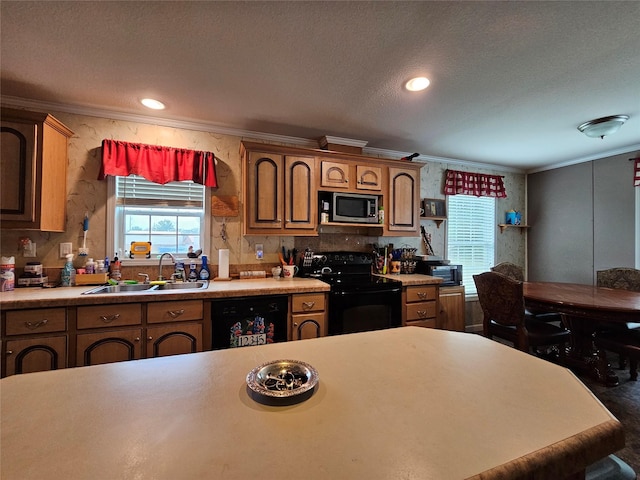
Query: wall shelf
(437, 220)
(504, 226)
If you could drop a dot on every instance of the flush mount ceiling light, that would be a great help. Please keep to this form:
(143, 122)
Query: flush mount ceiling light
(153, 104)
(417, 84)
(604, 126)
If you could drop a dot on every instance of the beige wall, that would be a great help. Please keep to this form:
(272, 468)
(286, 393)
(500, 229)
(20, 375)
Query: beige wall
(87, 194)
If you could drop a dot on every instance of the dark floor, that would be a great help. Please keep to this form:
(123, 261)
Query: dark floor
(623, 401)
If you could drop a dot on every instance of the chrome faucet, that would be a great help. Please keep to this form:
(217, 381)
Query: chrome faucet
(160, 264)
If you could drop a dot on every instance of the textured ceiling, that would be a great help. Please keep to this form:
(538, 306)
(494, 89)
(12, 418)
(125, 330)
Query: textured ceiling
(511, 81)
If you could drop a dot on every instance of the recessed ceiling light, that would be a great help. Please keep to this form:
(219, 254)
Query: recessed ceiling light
(417, 84)
(153, 104)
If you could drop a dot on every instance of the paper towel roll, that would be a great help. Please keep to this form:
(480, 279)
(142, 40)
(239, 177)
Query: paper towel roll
(223, 263)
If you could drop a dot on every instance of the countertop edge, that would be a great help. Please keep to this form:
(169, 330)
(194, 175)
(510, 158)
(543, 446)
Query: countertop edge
(564, 458)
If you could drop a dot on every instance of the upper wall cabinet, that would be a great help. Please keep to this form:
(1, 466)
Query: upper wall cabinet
(404, 200)
(33, 193)
(279, 194)
(349, 176)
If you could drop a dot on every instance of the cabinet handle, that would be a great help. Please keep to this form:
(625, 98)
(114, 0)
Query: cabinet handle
(308, 305)
(9, 352)
(175, 313)
(33, 326)
(295, 324)
(110, 318)
(422, 295)
(149, 338)
(422, 313)
(137, 339)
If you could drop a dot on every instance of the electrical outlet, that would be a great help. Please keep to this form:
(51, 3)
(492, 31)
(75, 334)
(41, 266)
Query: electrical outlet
(65, 249)
(259, 251)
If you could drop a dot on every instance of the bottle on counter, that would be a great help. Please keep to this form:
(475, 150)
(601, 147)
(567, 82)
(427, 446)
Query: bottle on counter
(204, 273)
(116, 275)
(68, 275)
(381, 215)
(193, 274)
(179, 273)
(90, 266)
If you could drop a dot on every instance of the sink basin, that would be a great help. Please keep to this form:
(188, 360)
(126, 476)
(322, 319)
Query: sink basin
(143, 287)
(184, 286)
(138, 287)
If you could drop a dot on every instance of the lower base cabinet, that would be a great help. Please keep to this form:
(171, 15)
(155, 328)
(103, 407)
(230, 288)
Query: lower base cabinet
(452, 309)
(420, 306)
(308, 316)
(35, 354)
(174, 339)
(107, 347)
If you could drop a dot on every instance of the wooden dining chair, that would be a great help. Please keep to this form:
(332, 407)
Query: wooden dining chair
(502, 301)
(621, 338)
(516, 272)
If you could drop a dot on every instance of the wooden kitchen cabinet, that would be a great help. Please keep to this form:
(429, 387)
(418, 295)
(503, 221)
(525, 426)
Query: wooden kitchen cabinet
(308, 316)
(109, 342)
(113, 345)
(403, 204)
(34, 340)
(420, 305)
(33, 193)
(35, 354)
(452, 308)
(280, 194)
(350, 176)
(179, 329)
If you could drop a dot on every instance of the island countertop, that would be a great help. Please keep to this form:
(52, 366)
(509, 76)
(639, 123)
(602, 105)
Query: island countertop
(407, 402)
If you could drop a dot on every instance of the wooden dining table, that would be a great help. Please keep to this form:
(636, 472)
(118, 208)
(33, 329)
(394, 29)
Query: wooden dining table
(584, 308)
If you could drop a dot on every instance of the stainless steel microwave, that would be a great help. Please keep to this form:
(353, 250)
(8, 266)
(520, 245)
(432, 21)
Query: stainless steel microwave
(354, 208)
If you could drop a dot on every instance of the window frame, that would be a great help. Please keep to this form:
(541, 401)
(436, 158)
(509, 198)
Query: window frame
(205, 241)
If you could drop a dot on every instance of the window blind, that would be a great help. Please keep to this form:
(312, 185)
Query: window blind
(471, 230)
(137, 191)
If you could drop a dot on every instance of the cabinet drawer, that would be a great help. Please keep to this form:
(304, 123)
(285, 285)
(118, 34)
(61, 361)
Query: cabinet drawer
(420, 293)
(421, 311)
(423, 323)
(160, 312)
(308, 302)
(41, 320)
(109, 315)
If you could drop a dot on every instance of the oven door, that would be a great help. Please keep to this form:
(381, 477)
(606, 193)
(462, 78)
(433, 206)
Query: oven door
(353, 311)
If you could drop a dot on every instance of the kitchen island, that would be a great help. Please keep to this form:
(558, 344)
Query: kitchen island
(407, 402)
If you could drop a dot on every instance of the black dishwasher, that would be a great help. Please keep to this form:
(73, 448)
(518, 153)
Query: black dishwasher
(247, 321)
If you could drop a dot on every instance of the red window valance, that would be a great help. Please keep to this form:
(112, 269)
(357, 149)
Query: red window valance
(478, 184)
(157, 164)
(636, 173)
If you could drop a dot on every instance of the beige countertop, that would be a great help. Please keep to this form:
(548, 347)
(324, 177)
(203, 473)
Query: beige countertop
(36, 297)
(396, 403)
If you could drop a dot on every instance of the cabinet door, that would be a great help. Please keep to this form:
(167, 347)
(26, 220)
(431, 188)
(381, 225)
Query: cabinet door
(368, 177)
(404, 200)
(264, 191)
(300, 195)
(36, 354)
(308, 326)
(334, 175)
(452, 309)
(17, 182)
(108, 346)
(174, 339)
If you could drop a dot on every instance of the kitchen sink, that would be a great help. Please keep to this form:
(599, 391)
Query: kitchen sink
(183, 286)
(144, 287)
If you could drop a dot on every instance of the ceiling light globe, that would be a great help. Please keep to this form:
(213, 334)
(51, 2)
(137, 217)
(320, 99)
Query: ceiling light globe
(153, 104)
(417, 84)
(601, 127)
